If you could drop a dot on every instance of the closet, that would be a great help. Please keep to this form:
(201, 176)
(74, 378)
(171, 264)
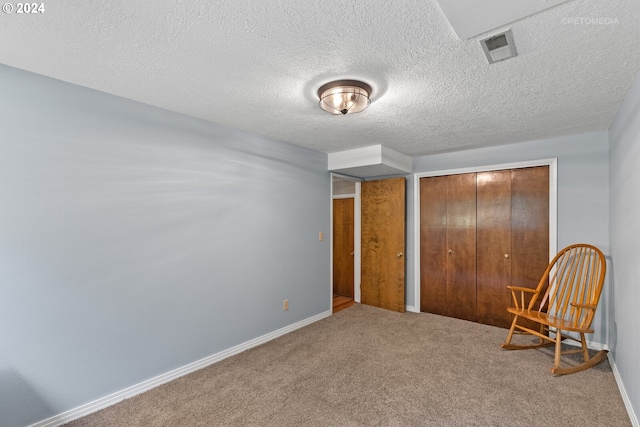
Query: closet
(480, 232)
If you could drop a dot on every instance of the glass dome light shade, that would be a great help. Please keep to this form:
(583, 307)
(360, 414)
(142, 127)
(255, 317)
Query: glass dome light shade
(344, 97)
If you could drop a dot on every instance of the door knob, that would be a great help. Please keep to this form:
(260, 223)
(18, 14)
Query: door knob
(506, 255)
(351, 253)
(399, 254)
(450, 251)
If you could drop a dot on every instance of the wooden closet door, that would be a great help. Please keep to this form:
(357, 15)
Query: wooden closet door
(447, 245)
(529, 225)
(433, 245)
(513, 237)
(494, 247)
(480, 233)
(461, 246)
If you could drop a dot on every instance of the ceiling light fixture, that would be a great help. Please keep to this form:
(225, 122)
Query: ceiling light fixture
(344, 96)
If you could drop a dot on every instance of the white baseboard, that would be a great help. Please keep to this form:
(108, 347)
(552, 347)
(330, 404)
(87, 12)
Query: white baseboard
(412, 308)
(596, 346)
(593, 345)
(623, 392)
(147, 385)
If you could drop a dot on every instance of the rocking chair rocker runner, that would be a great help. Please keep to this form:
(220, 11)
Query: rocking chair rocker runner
(564, 301)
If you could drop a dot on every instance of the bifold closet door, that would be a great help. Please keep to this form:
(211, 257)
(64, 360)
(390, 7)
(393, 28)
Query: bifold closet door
(513, 237)
(480, 233)
(529, 225)
(448, 245)
(494, 250)
(433, 243)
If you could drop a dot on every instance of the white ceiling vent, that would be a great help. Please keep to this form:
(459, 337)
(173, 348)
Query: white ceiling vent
(499, 47)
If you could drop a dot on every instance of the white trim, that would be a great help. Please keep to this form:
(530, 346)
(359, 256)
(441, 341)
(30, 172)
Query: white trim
(488, 168)
(149, 384)
(553, 205)
(594, 345)
(331, 242)
(357, 241)
(574, 340)
(416, 242)
(412, 308)
(623, 392)
(356, 234)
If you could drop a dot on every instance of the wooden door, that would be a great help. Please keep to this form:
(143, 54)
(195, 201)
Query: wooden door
(343, 223)
(461, 246)
(529, 225)
(383, 243)
(447, 245)
(513, 237)
(508, 212)
(433, 245)
(494, 247)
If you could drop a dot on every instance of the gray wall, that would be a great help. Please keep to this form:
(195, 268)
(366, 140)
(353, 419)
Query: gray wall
(624, 135)
(583, 194)
(134, 241)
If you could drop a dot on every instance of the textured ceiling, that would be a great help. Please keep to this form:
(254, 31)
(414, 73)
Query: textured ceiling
(257, 65)
(472, 17)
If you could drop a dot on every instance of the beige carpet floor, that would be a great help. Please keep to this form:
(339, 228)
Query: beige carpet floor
(365, 366)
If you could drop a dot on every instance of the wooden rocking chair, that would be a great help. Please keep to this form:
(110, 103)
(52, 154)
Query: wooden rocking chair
(564, 301)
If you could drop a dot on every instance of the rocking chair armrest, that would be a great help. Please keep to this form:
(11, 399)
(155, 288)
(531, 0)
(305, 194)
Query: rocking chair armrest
(520, 288)
(588, 306)
(521, 304)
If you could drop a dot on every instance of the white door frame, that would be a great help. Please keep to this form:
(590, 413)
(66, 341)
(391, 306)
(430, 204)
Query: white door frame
(553, 207)
(356, 234)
